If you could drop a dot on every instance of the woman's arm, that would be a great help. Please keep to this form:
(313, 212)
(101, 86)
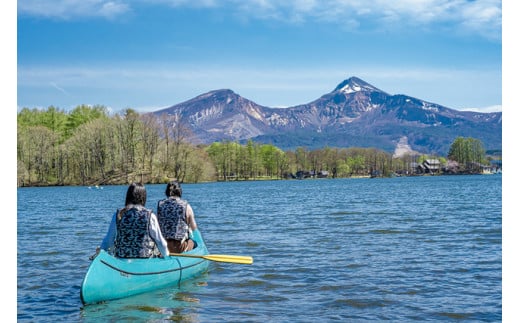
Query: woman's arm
(190, 218)
(108, 241)
(155, 233)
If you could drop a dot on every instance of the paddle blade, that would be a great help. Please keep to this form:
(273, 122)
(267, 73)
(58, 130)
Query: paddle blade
(246, 260)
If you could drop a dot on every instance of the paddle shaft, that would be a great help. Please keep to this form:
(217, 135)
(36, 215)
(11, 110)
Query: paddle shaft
(246, 260)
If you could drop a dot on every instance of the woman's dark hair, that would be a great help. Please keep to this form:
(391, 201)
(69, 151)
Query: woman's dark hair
(173, 189)
(136, 194)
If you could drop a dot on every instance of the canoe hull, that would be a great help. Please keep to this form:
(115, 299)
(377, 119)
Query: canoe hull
(110, 278)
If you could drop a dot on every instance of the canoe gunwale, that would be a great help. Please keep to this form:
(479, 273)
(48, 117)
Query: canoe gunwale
(152, 272)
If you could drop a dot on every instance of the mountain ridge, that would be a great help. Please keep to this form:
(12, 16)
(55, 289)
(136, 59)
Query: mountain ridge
(354, 114)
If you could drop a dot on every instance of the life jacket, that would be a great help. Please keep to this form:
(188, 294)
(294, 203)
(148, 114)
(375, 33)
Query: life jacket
(133, 239)
(171, 214)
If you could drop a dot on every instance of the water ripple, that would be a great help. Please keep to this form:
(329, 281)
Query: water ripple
(396, 249)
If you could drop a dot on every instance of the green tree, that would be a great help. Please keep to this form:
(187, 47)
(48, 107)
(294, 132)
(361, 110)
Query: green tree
(28, 117)
(216, 152)
(343, 169)
(269, 159)
(150, 142)
(301, 155)
(251, 160)
(81, 115)
(127, 134)
(468, 152)
(356, 164)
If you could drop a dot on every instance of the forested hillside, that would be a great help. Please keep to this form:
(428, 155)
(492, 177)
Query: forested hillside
(89, 146)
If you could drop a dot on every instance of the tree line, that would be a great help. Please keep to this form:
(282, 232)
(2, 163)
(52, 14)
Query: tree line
(90, 146)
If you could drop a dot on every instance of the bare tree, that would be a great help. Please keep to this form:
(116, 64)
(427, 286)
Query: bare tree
(150, 141)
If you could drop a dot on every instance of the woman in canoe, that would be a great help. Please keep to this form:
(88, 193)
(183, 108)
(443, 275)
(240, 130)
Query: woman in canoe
(176, 219)
(134, 231)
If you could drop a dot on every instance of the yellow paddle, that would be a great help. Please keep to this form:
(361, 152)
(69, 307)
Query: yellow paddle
(246, 260)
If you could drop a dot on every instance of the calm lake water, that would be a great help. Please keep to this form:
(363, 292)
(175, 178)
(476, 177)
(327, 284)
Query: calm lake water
(402, 249)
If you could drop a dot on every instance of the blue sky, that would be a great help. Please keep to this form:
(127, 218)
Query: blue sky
(152, 54)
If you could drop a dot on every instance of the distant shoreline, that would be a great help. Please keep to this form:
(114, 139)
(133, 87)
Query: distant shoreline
(100, 186)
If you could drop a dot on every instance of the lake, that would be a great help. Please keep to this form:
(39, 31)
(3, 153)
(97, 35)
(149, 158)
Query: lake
(401, 249)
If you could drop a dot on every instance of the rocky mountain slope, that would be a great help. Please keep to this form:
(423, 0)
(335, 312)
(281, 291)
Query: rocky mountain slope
(354, 114)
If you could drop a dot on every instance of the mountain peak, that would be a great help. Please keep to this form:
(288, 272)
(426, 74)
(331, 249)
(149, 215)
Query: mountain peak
(220, 92)
(355, 84)
(218, 95)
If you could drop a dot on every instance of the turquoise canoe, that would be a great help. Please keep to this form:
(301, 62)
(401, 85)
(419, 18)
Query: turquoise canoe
(110, 278)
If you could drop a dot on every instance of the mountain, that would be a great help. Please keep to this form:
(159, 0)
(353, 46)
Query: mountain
(354, 114)
(220, 115)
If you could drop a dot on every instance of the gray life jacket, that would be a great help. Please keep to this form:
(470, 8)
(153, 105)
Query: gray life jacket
(171, 214)
(133, 239)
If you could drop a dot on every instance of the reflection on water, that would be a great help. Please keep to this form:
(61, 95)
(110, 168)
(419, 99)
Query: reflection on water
(177, 304)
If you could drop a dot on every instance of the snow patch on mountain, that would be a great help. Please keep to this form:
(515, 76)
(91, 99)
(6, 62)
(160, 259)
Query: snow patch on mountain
(350, 88)
(430, 107)
(353, 85)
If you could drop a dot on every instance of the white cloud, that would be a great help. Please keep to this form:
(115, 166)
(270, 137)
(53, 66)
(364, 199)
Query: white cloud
(71, 9)
(482, 17)
(493, 108)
